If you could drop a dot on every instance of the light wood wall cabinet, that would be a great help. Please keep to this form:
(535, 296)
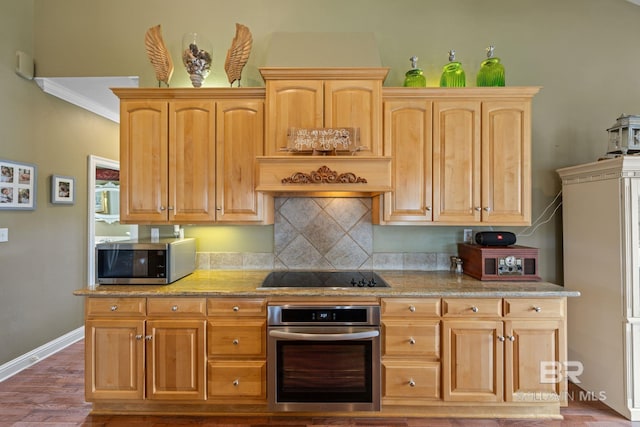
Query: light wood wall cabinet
(236, 348)
(494, 350)
(188, 156)
(325, 97)
(460, 156)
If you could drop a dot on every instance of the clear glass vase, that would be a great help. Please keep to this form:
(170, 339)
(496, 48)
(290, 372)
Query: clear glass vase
(196, 57)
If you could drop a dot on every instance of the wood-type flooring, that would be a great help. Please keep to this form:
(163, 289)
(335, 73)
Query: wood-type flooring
(51, 393)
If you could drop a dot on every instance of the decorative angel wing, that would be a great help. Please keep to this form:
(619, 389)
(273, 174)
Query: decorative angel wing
(238, 53)
(158, 54)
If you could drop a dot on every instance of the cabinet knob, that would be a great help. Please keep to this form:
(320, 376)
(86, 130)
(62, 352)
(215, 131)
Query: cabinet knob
(500, 338)
(218, 209)
(412, 341)
(236, 342)
(174, 308)
(148, 337)
(511, 338)
(162, 208)
(236, 308)
(487, 209)
(236, 383)
(475, 309)
(477, 208)
(427, 208)
(114, 307)
(412, 308)
(412, 383)
(170, 208)
(138, 337)
(537, 309)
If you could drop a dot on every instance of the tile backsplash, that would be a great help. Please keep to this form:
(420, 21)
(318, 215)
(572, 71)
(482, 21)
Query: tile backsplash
(323, 234)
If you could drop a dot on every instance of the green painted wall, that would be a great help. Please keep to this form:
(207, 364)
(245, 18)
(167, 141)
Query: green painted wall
(582, 52)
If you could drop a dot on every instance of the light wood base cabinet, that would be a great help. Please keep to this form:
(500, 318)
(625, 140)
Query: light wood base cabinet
(498, 350)
(236, 349)
(452, 357)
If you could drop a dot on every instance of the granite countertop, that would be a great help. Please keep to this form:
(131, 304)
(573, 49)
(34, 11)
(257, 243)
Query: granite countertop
(244, 283)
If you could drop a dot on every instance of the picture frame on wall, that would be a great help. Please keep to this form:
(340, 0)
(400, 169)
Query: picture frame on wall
(18, 182)
(63, 190)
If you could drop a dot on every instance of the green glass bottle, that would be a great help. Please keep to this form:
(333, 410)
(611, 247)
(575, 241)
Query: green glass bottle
(491, 71)
(414, 77)
(452, 73)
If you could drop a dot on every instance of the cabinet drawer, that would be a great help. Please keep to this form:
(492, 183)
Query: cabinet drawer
(411, 338)
(472, 307)
(410, 380)
(176, 307)
(236, 307)
(410, 307)
(233, 380)
(233, 338)
(539, 307)
(116, 307)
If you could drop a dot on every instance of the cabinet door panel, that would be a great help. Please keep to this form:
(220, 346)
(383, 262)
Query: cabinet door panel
(192, 161)
(291, 103)
(407, 138)
(114, 359)
(506, 172)
(534, 343)
(176, 359)
(456, 162)
(239, 140)
(472, 360)
(143, 161)
(356, 103)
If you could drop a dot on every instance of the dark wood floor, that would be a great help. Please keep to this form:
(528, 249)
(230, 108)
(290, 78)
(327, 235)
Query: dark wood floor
(51, 393)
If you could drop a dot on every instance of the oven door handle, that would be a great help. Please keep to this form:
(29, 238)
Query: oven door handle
(324, 337)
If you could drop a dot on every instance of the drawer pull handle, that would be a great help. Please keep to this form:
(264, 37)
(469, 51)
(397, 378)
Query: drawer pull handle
(412, 383)
(537, 309)
(114, 307)
(138, 337)
(475, 309)
(174, 308)
(236, 383)
(412, 341)
(412, 308)
(236, 308)
(236, 342)
(148, 337)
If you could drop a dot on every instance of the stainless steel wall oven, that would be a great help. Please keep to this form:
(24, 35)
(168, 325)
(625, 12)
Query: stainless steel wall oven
(324, 358)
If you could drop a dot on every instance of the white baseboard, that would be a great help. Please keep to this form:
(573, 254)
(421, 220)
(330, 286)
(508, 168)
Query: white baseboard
(20, 363)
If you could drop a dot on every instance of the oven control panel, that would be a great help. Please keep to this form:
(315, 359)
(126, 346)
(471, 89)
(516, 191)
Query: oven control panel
(308, 315)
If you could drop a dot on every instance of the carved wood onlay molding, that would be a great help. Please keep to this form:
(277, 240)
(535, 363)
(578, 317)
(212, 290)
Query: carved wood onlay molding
(324, 175)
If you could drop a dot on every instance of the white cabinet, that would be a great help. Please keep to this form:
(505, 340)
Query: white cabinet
(601, 216)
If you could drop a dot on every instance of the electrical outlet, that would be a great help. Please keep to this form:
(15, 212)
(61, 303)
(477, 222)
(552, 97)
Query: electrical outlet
(4, 234)
(468, 235)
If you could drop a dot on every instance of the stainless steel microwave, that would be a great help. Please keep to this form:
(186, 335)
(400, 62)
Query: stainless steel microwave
(144, 262)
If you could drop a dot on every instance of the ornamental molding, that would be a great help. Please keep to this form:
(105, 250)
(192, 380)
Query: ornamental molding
(324, 175)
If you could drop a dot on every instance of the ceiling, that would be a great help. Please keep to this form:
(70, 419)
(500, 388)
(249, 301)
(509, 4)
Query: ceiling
(91, 93)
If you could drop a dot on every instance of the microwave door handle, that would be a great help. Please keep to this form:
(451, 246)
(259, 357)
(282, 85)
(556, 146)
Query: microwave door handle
(324, 337)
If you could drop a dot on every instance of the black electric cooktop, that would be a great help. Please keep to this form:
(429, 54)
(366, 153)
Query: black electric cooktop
(324, 279)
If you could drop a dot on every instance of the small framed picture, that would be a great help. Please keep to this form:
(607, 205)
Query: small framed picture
(17, 185)
(63, 190)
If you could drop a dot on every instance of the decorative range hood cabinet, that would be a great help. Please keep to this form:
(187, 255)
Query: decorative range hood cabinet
(330, 97)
